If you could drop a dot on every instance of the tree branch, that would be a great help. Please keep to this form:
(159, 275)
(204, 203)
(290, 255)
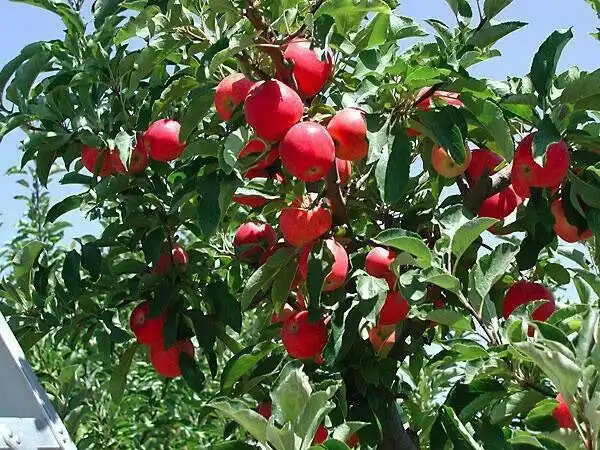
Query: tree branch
(334, 194)
(395, 436)
(485, 188)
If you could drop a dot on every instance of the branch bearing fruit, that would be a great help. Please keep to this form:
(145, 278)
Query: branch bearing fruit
(310, 72)
(394, 310)
(161, 140)
(500, 205)
(523, 292)
(177, 256)
(307, 151)
(301, 223)
(348, 128)
(339, 269)
(231, 92)
(272, 108)
(148, 330)
(443, 163)
(252, 240)
(377, 264)
(303, 339)
(166, 361)
(562, 226)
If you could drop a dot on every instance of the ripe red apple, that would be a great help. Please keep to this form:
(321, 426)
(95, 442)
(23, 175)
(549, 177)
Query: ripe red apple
(265, 409)
(563, 415)
(256, 147)
(377, 264)
(382, 338)
(177, 255)
(339, 269)
(231, 92)
(253, 201)
(321, 435)
(287, 312)
(166, 361)
(116, 163)
(138, 161)
(161, 140)
(562, 226)
(443, 163)
(348, 128)
(148, 330)
(90, 156)
(527, 173)
(394, 310)
(301, 224)
(310, 72)
(272, 108)
(344, 168)
(352, 440)
(450, 98)
(524, 292)
(303, 339)
(307, 151)
(252, 239)
(500, 205)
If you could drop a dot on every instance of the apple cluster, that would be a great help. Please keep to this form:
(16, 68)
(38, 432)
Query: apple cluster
(149, 328)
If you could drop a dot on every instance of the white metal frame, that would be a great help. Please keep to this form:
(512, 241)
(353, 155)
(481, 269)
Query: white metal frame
(28, 420)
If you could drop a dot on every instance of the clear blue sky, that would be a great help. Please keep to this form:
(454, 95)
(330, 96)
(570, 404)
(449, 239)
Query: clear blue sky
(22, 24)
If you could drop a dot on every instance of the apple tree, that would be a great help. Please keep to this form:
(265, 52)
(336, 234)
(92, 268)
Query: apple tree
(358, 242)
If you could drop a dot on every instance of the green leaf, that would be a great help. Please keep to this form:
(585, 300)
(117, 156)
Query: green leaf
(491, 118)
(582, 90)
(320, 261)
(344, 326)
(118, 380)
(91, 260)
(263, 277)
(467, 233)
(123, 143)
(457, 433)
(193, 376)
(201, 100)
(177, 90)
(589, 193)
(226, 306)
(461, 9)
(251, 421)
(517, 403)
(243, 363)
(489, 269)
(282, 285)
(442, 279)
(585, 337)
(9, 69)
(448, 127)
(490, 33)
(152, 245)
(546, 60)
(491, 8)
(292, 395)
(450, 318)
(546, 135)
(209, 211)
(369, 287)
(408, 242)
(348, 14)
(540, 418)
(70, 272)
(233, 445)
(392, 170)
(70, 17)
(68, 204)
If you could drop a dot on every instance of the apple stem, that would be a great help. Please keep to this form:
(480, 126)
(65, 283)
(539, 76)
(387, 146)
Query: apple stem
(485, 188)
(334, 194)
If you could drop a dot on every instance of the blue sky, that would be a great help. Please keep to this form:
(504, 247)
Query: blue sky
(22, 24)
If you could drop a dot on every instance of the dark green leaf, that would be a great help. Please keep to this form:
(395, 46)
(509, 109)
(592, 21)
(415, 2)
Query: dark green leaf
(491, 8)
(408, 242)
(70, 272)
(449, 129)
(91, 260)
(68, 204)
(489, 34)
(392, 169)
(546, 60)
(243, 363)
(457, 433)
(227, 308)
(209, 212)
(193, 376)
(118, 380)
(348, 14)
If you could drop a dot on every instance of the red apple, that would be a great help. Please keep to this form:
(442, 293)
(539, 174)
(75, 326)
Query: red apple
(524, 292)
(265, 409)
(382, 338)
(302, 338)
(177, 255)
(377, 264)
(450, 98)
(287, 312)
(443, 163)
(166, 361)
(321, 435)
(138, 160)
(344, 168)
(307, 151)
(339, 269)
(352, 441)
(562, 226)
(91, 156)
(256, 147)
(148, 330)
(161, 140)
(563, 415)
(348, 128)
(272, 108)
(309, 71)
(230, 93)
(301, 224)
(252, 239)
(394, 310)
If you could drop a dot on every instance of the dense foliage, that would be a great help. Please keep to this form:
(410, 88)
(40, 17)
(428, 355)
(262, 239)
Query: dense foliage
(298, 217)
